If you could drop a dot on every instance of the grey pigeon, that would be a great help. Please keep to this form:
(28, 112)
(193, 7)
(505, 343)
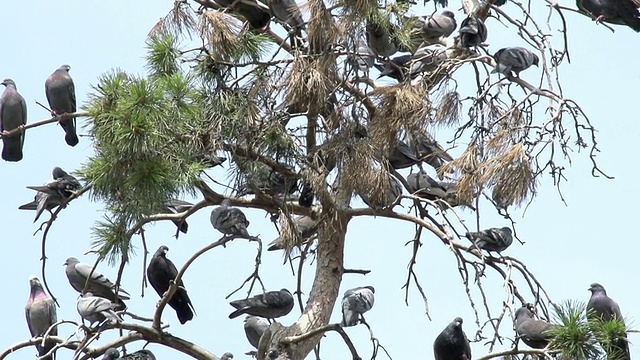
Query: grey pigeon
(227, 356)
(229, 220)
(61, 95)
(41, 314)
(601, 306)
(356, 302)
(514, 59)
(255, 13)
(494, 239)
(402, 156)
(270, 305)
(176, 206)
(431, 28)
(534, 333)
(289, 13)
(473, 32)
(425, 59)
(98, 284)
(427, 149)
(111, 354)
(305, 226)
(13, 114)
(96, 309)
(386, 199)
(452, 343)
(381, 39)
(262, 177)
(254, 327)
(63, 184)
(424, 186)
(620, 12)
(140, 355)
(161, 272)
(362, 59)
(396, 68)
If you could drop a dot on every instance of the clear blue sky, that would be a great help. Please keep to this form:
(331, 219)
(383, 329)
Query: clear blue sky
(567, 247)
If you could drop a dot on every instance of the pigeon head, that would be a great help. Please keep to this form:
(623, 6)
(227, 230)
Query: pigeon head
(65, 67)
(535, 60)
(225, 203)
(70, 261)
(457, 324)
(112, 353)
(597, 288)
(7, 82)
(34, 282)
(371, 288)
(449, 14)
(523, 312)
(507, 230)
(227, 355)
(58, 173)
(162, 251)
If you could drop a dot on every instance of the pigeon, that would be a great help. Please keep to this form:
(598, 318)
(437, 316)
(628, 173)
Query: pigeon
(473, 32)
(270, 305)
(175, 206)
(140, 355)
(452, 343)
(96, 309)
(289, 13)
(254, 327)
(402, 156)
(494, 239)
(356, 302)
(386, 199)
(619, 12)
(161, 272)
(362, 59)
(229, 220)
(601, 306)
(13, 114)
(428, 150)
(61, 95)
(41, 314)
(431, 28)
(306, 228)
(514, 59)
(381, 40)
(98, 284)
(424, 186)
(266, 180)
(227, 356)
(403, 67)
(255, 13)
(63, 184)
(396, 68)
(534, 333)
(111, 354)
(41, 202)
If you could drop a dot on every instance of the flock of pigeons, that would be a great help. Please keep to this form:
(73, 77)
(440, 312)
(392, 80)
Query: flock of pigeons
(61, 95)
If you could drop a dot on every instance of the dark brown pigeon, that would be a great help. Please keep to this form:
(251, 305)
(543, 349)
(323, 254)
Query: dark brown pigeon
(270, 305)
(452, 343)
(13, 114)
(98, 284)
(473, 32)
(534, 333)
(619, 12)
(161, 272)
(603, 307)
(61, 95)
(41, 314)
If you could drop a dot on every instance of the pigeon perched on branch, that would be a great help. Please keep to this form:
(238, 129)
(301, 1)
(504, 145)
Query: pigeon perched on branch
(602, 307)
(176, 206)
(256, 14)
(305, 227)
(494, 239)
(534, 333)
(619, 12)
(270, 305)
(97, 309)
(229, 220)
(61, 95)
(452, 343)
(254, 327)
(436, 26)
(382, 39)
(386, 199)
(161, 272)
(289, 13)
(41, 314)
(473, 32)
(98, 284)
(514, 59)
(63, 184)
(427, 149)
(13, 114)
(112, 354)
(356, 302)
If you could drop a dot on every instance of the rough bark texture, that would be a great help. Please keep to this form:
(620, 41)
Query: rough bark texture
(331, 237)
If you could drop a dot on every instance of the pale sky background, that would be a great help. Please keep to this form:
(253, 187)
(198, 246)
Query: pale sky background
(567, 247)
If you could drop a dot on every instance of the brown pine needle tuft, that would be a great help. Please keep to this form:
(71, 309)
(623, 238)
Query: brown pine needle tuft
(511, 176)
(222, 32)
